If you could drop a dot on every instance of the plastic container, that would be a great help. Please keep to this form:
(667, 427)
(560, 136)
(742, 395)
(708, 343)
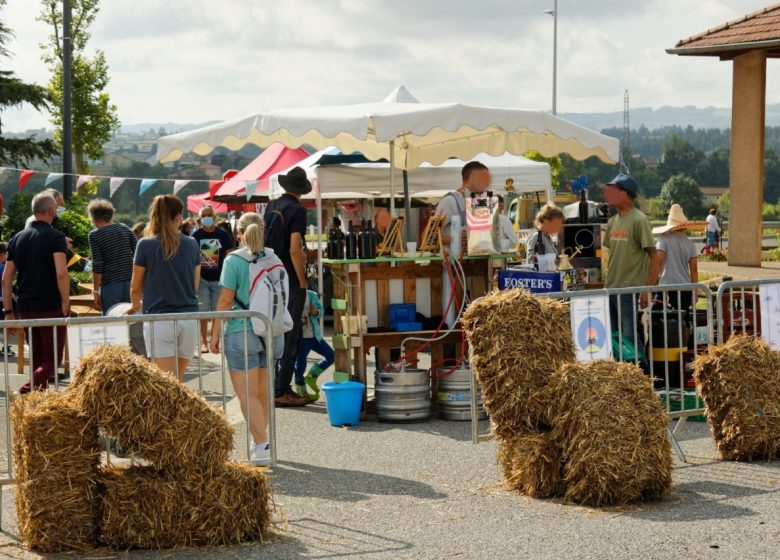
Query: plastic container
(407, 326)
(402, 313)
(343, 401)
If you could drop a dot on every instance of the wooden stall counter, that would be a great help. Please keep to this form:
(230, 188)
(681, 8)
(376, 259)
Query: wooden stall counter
(369, 287)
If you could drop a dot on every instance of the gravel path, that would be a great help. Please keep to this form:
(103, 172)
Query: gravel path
(424, 491)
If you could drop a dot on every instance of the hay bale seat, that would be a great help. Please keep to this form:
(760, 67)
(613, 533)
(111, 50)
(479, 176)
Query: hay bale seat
(531, 464)
(517, 341)
(151, 413)
(740, 384)
(146, 508)
(611, 429)
(56, 458)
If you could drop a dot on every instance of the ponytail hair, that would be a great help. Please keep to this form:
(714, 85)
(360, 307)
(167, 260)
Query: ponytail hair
(252, 230)
(163, 212)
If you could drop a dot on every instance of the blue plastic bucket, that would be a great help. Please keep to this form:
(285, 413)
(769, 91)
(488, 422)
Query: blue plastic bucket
(343, 401)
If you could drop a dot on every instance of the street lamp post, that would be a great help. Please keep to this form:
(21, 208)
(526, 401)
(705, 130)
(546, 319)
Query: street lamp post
(554, 14)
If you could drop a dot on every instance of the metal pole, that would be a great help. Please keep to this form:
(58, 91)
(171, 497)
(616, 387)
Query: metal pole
(555, 59)
(392, 178)
(67, 125)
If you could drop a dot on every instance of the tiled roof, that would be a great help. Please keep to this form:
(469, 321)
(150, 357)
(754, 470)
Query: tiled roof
(759, 29)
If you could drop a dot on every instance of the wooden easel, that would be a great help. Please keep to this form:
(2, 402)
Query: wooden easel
(433, 235)
(394, 241)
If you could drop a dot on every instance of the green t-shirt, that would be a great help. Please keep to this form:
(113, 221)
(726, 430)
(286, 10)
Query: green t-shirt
(235, 276)
(628, 238)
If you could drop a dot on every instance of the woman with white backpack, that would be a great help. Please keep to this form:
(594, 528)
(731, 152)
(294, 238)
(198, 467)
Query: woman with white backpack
(250, 268)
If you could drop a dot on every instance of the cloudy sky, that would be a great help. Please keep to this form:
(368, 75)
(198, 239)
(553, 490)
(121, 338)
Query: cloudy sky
(190, 61)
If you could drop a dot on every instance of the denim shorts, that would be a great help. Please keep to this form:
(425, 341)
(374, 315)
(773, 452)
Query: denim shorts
(208, 295)
(255, 351)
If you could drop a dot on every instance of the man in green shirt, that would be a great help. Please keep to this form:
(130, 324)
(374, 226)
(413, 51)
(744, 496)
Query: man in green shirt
(632, 257)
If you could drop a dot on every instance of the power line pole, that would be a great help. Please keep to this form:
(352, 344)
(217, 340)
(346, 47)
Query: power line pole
(625, 149)
(67, 125)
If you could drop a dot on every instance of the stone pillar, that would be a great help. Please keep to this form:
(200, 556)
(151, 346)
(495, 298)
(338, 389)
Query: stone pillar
(746, 180)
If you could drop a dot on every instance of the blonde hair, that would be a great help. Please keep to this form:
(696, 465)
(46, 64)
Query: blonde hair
(252, 230)
(548, 212)
(162, 223)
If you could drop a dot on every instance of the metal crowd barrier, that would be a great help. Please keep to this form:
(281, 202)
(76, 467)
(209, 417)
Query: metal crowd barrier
(738, 305)
(197, 363)
(667, 350)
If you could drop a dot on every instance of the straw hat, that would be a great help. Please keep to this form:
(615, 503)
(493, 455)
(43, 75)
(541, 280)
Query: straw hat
(675, 222)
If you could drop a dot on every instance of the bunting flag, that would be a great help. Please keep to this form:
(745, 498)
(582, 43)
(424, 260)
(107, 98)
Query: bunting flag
(179, 185)
(74, 259)
(250, 187)
(146, 184)
(114, 185)
(52, 178)
(83, 179)
(24, 176)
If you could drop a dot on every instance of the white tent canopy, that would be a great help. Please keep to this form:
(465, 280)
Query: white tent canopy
(432, 181)
(407, 133)
(370, 180)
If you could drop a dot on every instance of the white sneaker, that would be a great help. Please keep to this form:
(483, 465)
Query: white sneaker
(261, 454)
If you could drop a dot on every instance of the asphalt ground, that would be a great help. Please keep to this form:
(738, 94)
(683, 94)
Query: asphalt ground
(425, 491)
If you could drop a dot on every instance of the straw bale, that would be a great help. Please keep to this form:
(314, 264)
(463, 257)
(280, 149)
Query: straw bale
(154, 415)
(517, 341)
(611, 429)
(56, 460)
(146, 508)
(740, 384)
(532, 465)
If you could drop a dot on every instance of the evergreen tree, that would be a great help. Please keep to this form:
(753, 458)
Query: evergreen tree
(19, 152)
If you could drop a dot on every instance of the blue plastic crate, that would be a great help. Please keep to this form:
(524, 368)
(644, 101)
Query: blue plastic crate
(407, 326)
(402, 313)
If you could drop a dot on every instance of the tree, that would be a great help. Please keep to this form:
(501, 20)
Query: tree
(679, 157)
(94, 117)
(723, 204)
(19, 152)
(683, 190)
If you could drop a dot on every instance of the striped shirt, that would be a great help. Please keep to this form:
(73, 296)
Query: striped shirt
(112, 248)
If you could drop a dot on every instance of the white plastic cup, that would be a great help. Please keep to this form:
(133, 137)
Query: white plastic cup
(411, 248)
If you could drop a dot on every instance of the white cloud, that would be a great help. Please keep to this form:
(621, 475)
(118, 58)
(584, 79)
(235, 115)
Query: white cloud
(197, 60)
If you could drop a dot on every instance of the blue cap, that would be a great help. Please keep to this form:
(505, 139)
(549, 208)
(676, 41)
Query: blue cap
(626, 183)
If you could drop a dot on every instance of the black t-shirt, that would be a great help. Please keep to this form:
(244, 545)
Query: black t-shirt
(294, 221)
(213, 246)
(32, 252)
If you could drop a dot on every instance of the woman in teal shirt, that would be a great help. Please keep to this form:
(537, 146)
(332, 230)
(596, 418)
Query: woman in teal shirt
(234, 282)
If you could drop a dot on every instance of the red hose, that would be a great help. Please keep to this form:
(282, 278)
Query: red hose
(428, 342)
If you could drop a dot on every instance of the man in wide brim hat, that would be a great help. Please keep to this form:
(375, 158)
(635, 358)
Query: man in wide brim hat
(677, 261)
(676, 221)
(295, 181)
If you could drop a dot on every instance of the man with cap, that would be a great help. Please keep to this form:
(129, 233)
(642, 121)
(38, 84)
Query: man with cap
(629, 239)
(288, 213)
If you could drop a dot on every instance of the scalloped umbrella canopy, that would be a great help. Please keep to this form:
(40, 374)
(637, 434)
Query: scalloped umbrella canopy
(420, 132)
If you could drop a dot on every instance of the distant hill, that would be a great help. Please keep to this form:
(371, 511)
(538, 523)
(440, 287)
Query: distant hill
(708, 117)
(169, 127)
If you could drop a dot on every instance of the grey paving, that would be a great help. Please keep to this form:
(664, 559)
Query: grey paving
(424, 491)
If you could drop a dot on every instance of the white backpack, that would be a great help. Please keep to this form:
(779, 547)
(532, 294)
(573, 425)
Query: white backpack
(269, 291)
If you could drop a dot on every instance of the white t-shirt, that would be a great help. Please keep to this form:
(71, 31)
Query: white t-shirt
(712, 223)
(508, 237)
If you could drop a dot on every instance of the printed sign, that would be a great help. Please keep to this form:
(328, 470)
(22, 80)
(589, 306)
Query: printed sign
(591, 328)
(83, 339)
(769, 298)
(536, 282)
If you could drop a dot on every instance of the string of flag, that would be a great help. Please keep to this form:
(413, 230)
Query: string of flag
(25, 175)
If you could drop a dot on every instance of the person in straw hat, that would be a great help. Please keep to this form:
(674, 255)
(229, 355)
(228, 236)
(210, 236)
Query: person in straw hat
(676, 261)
